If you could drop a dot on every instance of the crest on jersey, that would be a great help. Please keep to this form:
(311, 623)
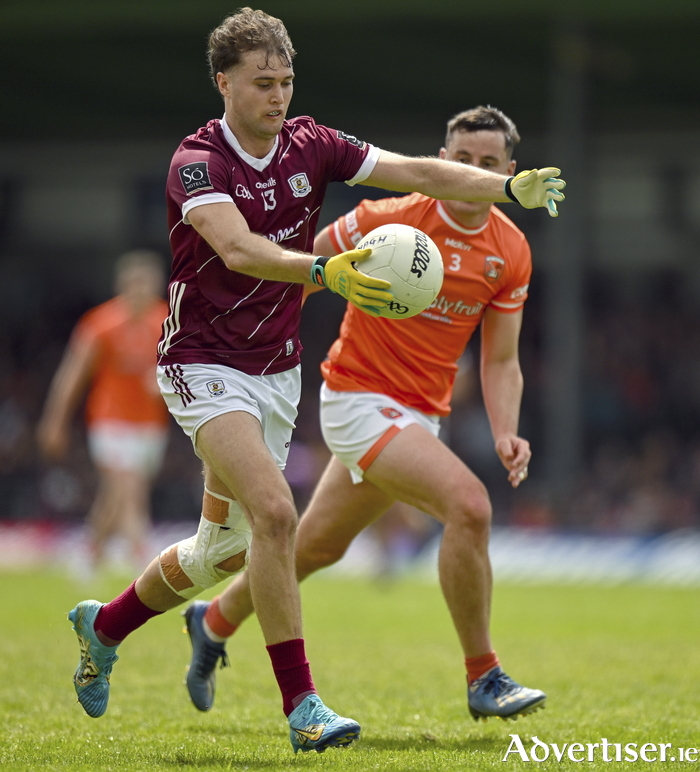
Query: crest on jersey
(299, 183)
(493, 268)
(216, 388)
(390, 412)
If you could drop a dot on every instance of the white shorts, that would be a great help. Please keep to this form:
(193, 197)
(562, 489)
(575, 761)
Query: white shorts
(357, 425)
(126, 446)
(197, 393)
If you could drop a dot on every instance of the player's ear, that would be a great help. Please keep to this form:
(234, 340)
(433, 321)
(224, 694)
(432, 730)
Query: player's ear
(511, 167)
(442, 153)
(223, 83)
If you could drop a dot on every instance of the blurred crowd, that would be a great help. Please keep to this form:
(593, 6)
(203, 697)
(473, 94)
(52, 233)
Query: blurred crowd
(641, 418)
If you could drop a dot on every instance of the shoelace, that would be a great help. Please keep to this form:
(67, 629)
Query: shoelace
(318, 713)
(498, 683)
(208, 657)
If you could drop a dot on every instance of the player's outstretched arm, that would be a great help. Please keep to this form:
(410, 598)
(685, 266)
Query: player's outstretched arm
(447, 180)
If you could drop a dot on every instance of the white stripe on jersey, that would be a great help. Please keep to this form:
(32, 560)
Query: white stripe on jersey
(271, 312)
(228, 311)
(507, 305)
(171, 326)
(170, 235)
(271, 362)
(207, 263)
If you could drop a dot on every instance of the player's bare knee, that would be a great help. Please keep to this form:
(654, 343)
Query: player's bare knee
(275, 520)
(317, 555)
(473, 511)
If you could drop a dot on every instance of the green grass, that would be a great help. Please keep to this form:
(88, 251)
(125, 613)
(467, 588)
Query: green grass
(617, 662)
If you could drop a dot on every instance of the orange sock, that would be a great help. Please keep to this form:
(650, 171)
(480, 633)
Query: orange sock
(216, 621)
(477, 666)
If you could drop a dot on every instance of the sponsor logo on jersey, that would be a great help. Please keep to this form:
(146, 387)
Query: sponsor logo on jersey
(493, 268)
(288, 233)
(299, 183)
(390, 413)
(352, 140)
(520, 292)
(289, 345)
(216, 388)
(444, 306)
(457, 244)
(243, 192)
(267, 184)
(194, 177)
(421, 254)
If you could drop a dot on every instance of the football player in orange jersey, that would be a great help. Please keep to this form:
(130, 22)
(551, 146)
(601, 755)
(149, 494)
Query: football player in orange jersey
(387, 383)
(112, 355)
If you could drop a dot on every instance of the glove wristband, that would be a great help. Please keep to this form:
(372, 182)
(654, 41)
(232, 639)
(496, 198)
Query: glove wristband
(318, 275)
(507, 190)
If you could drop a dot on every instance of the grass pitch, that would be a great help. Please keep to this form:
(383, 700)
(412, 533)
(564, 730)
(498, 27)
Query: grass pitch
(621, 663)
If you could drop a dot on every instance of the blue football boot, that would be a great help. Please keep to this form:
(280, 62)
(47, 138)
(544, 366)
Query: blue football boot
(201, 674)
(496, 694)
(91, 679)
(314, 727)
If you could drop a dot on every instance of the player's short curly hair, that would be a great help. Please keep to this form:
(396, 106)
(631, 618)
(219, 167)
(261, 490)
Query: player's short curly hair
(484, 119)
(247, 30)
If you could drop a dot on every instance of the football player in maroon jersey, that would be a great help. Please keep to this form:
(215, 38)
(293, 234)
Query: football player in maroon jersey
(244, 194)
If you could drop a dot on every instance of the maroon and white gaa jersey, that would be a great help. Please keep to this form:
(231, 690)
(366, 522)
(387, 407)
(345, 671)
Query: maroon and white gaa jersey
(219, 316)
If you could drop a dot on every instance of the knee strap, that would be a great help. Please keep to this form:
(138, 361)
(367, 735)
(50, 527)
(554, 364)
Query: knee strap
(190, 566)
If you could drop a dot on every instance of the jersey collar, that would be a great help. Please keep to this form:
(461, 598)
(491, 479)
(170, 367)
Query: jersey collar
(260, 164)
(453, 224)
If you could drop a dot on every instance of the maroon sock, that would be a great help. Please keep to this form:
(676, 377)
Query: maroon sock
(292, 672)
(123, 615)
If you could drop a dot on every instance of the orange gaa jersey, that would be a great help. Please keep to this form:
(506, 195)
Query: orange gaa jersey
(124, 384)
(415, 360)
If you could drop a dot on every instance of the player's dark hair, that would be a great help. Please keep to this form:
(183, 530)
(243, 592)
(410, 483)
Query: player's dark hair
(484, 119)
(247, 30)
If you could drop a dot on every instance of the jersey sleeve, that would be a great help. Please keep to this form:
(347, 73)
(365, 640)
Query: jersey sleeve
(347, 230)
(512, 296)
(199, 174)
(350, 160)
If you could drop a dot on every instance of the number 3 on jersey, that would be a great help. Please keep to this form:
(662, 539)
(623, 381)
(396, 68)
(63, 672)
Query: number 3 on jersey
(456, 262)
(269, 199)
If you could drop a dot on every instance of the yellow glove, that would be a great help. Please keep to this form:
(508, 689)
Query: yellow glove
(536, 187)
(340, 275)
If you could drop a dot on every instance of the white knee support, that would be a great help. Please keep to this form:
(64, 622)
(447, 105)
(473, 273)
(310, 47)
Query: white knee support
(190, 566)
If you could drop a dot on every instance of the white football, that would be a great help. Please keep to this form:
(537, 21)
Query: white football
(410, 260)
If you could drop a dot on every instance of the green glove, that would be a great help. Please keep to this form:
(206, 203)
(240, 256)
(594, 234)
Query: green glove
(536, 187)
(340, 275)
